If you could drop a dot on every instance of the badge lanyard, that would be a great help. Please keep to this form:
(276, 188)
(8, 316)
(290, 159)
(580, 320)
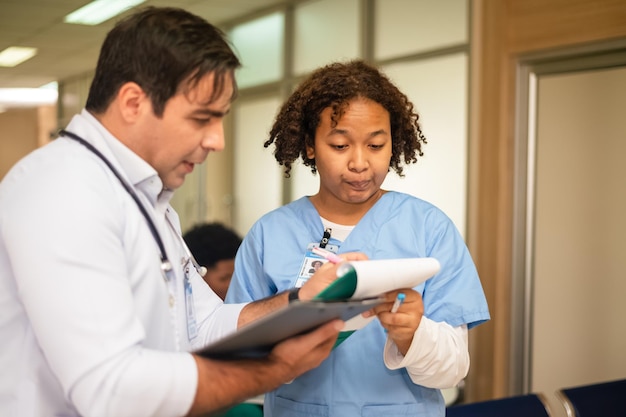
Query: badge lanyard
(325, 237)
(166, 265)
(313, 261)
(190, 261)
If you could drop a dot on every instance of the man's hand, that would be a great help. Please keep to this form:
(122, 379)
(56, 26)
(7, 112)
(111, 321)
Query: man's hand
(305, 352)
(224, 383)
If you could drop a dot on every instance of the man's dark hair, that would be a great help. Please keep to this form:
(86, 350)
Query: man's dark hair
(163, 50)
(212, 242)
(334, 86)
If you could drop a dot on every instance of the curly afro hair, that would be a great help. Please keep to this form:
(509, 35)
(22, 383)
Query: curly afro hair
(212, 242)
(335, 85)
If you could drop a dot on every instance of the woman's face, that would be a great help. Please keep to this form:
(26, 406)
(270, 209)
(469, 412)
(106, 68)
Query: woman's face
(352, 158)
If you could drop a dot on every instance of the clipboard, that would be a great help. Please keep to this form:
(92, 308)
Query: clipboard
(257, 338)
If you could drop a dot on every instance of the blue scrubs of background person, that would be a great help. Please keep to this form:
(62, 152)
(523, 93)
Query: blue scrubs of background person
(351, 125)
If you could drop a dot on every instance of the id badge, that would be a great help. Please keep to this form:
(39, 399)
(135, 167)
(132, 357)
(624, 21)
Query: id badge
(192, 328)
(312, 262)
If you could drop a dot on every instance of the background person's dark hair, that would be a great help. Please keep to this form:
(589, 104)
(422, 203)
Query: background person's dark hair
(160, 49)
(212, 242)
(334, 86)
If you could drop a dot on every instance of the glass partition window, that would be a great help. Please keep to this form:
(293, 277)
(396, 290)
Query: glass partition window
(438, 89)
(321, 37)
(72, 97)
(258, 187)
(259, 45)
(421, 44)
(404, 27)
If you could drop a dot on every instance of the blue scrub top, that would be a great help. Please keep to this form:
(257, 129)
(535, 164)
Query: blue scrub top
(354, 381)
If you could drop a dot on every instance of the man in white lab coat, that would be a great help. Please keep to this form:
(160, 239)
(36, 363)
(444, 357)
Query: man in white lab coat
(93, 323)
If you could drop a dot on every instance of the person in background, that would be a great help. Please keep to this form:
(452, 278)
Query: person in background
(351, 125)
(101, 305)
(214, 246)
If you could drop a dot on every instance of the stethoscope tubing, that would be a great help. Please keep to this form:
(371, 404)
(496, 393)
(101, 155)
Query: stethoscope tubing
(166, 265)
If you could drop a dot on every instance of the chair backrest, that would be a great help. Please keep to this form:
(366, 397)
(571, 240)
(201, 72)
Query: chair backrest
(529, 405)
(605, 399)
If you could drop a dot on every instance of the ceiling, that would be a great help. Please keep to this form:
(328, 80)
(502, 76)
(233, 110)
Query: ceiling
(66, 50)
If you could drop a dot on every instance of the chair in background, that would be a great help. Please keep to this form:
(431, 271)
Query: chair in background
(605, 399)
(529, 405)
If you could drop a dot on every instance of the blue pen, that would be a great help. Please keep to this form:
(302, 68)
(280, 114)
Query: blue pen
(399, 300)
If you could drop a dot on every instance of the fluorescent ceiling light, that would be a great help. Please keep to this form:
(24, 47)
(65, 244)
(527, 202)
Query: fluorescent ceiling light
(15, 55)
(27, 97)
(98, 11)
(52, 85)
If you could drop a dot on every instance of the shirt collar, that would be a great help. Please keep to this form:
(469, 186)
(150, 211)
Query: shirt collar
(137, 171)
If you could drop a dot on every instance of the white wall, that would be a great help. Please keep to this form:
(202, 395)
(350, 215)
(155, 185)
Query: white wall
(438, 89)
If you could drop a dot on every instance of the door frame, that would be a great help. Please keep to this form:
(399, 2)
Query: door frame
(602, 55)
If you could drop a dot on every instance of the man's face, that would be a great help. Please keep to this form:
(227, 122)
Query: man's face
(188, 130)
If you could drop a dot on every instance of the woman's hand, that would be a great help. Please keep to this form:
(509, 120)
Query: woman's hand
(325, 275)
(402, 324)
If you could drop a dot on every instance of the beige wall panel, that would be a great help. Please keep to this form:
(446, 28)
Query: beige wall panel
(22, 130)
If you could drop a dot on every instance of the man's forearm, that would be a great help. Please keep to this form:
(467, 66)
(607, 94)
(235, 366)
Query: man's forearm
(222, 384)
(266, 305)
(261, 307)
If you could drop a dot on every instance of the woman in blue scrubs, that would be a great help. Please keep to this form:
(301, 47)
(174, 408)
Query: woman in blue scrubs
(351, 125)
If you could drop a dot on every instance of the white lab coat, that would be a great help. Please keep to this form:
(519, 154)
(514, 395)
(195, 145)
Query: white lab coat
(89, 324)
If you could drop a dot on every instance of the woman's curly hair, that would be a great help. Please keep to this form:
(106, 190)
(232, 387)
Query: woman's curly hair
(335, 85)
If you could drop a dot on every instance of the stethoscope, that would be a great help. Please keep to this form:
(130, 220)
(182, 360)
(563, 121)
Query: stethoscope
(166, 265)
